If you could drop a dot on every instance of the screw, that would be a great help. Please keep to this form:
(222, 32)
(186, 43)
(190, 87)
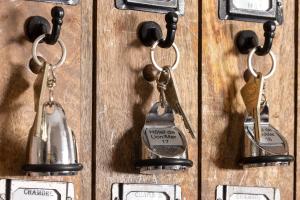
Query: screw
(150, 73)
(35, 68)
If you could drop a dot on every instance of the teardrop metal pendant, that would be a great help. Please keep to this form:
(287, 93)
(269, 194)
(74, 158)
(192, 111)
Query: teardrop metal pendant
(164, 146)
(52, 147)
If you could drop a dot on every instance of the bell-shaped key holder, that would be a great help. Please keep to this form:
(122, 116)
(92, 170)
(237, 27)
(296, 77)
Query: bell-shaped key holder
(272, 149)
(51, 144)
(164, 146)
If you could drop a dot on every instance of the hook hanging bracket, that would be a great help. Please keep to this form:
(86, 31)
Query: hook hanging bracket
(247, 40)
(150, 32)
(37, 25)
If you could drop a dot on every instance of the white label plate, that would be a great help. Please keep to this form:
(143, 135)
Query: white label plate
(260, 5)
(36, 190)
(163, 137)
(122, 191)
(35, 194)
(226, 192)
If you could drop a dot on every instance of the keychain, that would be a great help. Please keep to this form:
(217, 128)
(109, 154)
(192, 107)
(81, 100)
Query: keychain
(51, 144)
(164, 146)
(263, 144)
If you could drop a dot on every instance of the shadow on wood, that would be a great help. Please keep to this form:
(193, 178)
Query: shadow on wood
(127, 150)
(12, 149)
(229, 144)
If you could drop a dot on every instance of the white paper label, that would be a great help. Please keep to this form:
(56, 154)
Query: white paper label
(147, 196)
(163, 137)
(248, 197)
(35, 194)
(260, 5)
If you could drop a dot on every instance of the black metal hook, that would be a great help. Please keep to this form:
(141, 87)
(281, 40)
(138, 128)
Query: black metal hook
(37, 25)
(150, 32)
(247, 40)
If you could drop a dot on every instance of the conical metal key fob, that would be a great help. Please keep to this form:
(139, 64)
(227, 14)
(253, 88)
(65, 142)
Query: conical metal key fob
(271, 149)
(164, 146)
(51, 144)
(263, 144)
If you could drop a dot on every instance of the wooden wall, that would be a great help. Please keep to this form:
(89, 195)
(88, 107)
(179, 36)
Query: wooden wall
(223, 108)
(106, 99)
(16, 86)
(124, 97)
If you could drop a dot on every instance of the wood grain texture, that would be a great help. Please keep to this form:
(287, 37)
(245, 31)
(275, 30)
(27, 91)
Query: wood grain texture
(86, 77)
(16, 84)
(297, 140)
(123, 97)
(223, 109)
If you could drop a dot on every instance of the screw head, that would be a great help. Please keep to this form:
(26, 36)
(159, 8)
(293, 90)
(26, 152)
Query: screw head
(150, 74)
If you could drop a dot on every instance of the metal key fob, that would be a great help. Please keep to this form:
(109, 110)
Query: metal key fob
(164, 147)
(263, 144)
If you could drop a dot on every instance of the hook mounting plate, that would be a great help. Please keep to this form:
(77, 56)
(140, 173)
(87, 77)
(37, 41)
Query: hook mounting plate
(36, 26)
(149, 32)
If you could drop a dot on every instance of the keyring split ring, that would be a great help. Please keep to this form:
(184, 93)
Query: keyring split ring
(250, 65)
(40, 63)
(152, 55)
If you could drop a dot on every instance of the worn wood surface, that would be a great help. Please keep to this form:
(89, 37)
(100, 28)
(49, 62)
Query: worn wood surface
(123, 97)
(86, 77)
(297, 139)
(16, 85)
(223, 108)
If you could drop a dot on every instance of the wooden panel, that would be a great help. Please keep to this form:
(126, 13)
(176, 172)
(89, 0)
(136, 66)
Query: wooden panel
(223, 108)
(297, 143)
(86, 88)
(123, 97)
(16, 84)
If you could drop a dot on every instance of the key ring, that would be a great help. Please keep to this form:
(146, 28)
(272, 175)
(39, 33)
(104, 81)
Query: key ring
(152, 55)
(251, 69)
(36, 59)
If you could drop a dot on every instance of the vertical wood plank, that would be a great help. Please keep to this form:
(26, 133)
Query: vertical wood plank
(123, 97)
(16, 85)
(86, 78)
(297, 139)
(223, 108)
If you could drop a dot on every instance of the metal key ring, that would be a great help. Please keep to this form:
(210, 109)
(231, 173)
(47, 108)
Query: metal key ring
(251, 69)
(34, 52)
(152, 55)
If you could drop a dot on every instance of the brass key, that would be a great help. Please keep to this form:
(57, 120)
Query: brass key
(172, 96)
(252, 95)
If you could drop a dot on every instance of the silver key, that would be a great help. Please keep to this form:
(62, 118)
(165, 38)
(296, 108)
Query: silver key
(172, 96)
(252, 94)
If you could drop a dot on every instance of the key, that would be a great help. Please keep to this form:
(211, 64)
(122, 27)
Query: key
(172, 96)
(40, 89)
(252, 95)
(161, 87)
